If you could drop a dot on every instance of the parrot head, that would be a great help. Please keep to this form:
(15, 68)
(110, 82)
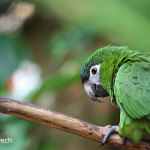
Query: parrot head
(99, 70)
(90, 77)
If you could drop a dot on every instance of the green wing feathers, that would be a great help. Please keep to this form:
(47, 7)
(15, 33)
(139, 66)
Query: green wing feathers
(132, 93)
(132, 89)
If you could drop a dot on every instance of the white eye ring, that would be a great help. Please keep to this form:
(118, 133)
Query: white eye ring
(94, 74)
(94, 70)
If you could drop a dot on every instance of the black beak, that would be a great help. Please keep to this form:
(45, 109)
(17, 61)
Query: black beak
(95, 90)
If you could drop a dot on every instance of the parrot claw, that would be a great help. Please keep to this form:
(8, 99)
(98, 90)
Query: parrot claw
(125, 139)
(109, 132)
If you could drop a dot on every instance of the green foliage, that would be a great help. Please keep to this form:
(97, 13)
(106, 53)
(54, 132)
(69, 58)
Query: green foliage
(72, 42)
(16, 129)
(12, 52)
(49, 145)
(53, 84)
(123, 22)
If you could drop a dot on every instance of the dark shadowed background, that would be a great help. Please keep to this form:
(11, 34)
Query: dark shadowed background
(43, 44)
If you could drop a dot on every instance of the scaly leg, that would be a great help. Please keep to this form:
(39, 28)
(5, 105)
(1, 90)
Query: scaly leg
(110, 131)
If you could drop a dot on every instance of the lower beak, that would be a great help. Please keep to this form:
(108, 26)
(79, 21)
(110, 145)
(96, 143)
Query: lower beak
(95, 90)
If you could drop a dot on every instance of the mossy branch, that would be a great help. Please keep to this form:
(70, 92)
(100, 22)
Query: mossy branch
(64, 122)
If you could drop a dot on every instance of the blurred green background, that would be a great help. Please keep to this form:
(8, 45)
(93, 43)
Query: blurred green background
(43, 44)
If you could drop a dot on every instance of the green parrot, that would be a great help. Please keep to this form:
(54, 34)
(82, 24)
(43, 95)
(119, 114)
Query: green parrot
(124, 75)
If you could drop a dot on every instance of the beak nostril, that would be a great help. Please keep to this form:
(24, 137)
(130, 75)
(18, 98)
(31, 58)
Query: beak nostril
(95, 86)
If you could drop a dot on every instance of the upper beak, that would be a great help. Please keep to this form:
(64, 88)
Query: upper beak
(95, 90)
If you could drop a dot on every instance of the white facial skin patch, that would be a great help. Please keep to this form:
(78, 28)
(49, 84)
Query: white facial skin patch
(94, 78)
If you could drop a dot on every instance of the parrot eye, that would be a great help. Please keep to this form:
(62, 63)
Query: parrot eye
(94, 70)
(94, 75)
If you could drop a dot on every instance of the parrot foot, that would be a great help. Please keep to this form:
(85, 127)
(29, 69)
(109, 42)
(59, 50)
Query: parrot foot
(109, 132)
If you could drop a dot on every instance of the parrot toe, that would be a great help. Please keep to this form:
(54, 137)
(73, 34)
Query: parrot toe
(109, 132)
(125, 140)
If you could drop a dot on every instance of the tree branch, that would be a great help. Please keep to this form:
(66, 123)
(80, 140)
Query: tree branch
(64, 122)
